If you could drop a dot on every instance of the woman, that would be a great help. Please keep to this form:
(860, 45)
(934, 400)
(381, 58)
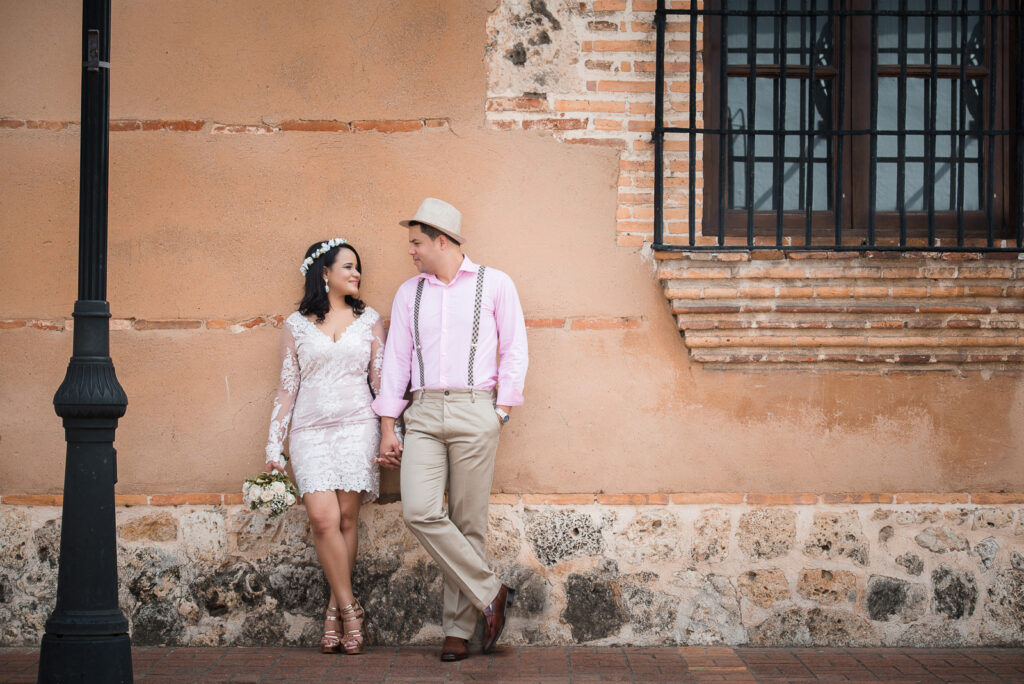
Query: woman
(331, 353)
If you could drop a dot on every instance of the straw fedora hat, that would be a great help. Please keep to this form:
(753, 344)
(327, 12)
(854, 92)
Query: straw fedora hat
(441, 215)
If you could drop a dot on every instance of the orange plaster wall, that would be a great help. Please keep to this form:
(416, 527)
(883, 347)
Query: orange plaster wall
(212, 226)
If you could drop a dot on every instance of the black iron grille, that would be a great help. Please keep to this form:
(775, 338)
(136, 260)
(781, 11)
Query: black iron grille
(843, 125)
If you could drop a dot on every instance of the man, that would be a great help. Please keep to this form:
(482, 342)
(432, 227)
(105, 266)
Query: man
(448, 325)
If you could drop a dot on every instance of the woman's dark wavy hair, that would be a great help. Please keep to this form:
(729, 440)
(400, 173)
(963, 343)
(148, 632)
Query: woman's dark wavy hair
(315, 299)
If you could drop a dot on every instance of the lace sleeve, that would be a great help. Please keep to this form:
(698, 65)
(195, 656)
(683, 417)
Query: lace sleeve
(376, 356)
(284, 400)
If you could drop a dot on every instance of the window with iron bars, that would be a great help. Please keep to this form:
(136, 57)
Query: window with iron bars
(849, 125)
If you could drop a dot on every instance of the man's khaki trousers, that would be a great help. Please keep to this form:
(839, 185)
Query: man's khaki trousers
(451, 437)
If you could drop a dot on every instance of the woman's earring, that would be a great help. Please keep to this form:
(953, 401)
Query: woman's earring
(327, 288)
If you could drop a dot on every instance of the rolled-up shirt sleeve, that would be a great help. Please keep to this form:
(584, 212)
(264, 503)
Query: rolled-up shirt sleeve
(512, 348)
(397, 360)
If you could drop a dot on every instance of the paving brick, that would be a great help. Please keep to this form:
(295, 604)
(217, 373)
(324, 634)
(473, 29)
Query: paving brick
(555, 665)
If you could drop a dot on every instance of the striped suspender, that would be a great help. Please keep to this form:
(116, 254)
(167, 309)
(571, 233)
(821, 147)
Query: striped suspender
(478, 302)
(476, 320)
(416, 328)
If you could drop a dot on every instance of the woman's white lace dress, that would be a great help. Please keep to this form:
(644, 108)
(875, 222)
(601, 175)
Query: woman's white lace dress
(324, 396)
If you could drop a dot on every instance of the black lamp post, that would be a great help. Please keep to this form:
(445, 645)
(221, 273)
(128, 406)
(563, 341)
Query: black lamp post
(86, 638)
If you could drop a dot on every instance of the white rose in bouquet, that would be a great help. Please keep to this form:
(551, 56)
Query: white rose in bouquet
(266, 495)
(290, 499)
(278, 488)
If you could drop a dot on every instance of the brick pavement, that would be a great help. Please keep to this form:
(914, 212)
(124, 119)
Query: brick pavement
(557, 665)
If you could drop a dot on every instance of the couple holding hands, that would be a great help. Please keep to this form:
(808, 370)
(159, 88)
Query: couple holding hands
(342, 389)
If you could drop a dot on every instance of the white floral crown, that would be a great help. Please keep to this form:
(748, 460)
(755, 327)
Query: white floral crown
(324, 248)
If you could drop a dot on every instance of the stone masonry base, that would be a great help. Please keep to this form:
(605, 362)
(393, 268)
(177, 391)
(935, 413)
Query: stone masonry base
(889, 574)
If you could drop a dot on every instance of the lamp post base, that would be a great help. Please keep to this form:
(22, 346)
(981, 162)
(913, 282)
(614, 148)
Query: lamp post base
(68, 659)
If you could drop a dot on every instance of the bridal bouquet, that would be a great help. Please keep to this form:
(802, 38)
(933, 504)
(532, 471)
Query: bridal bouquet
(272, 493)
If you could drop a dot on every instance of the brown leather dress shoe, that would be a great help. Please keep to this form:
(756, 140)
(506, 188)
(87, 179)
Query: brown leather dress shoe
(454, 649)
(494, 614)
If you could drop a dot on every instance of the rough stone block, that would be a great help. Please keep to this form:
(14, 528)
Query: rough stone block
(814, 627)
(827, 586)
(1004, 609)
(931, 635)
(652, 536)
(204, 534)
(986, 550)
(592, 607)
(890, 597)
(558, 535)
(992, 518)
(954, 592)
(837, 535)
(942, 540)
(160, 527)
(911, 562)
(767, 532)
(764, 587)
(712, 530)
(710, 610)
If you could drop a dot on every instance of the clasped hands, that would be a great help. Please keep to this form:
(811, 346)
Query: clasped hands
(390, 446)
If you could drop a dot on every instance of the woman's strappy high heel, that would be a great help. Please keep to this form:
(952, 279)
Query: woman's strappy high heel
(331, 641)
(353, 639)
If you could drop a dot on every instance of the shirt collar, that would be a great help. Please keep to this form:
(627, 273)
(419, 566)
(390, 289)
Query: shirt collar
(466, 266)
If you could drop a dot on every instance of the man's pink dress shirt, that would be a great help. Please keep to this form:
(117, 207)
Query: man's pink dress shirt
(446, 330)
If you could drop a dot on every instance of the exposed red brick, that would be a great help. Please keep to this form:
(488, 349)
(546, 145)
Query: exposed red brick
(620, 46)
(554, 124)
(254, 129)
(11, 123)
(997, 497)
(11, 325)
(197, 499)
(180, 125)
(131, 500)
(251, 323)
(622, 499)
(931, 497)
(47, 125)
(32, 499)
(557, 499)
(172, 324)
(598, 142)
(216, 324)
(703, 498)
(625, 86)
(857, 498)
(756, 499)
(121, 125)
(623, 323)
(388, 126)
(590, 106)
(516, 104)
(317, 125)
(545, 322)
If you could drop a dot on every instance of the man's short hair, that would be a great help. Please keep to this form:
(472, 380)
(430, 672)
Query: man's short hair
(432, 232)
